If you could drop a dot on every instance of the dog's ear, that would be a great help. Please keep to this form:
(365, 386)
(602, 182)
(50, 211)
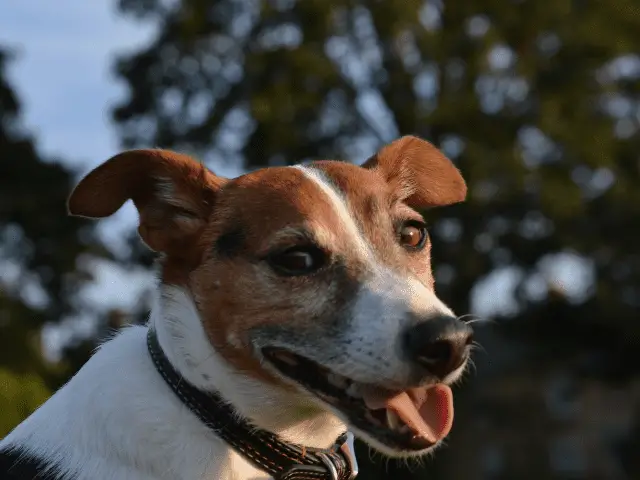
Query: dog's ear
(419, 173)
(174, 195)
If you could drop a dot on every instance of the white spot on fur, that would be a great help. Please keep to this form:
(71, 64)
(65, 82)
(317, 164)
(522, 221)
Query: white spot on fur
(233, 339)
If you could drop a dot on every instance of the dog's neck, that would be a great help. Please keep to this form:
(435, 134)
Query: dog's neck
(185, 344)
(117, 419)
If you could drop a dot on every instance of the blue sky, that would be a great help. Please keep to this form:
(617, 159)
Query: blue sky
(73, 44)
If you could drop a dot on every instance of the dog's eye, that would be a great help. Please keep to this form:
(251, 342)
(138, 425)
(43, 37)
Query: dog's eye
(413, 235)
(297, 261)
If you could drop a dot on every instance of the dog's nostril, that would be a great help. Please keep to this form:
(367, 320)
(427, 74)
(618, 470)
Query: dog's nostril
(437, 351)
(439, 345)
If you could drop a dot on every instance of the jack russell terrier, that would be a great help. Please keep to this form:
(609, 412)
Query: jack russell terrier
(295, 306)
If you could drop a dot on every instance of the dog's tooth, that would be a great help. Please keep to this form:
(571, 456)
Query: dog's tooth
(354, 391)
(286, 358)
(337, 380)
(393, 422)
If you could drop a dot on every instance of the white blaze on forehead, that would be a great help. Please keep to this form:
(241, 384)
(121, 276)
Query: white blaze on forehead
(424, 300)
(392, 289)
(341, 207)
(386, 303)
(402, 292)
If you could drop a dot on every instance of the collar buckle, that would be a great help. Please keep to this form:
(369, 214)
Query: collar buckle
(344, 466)
(345, 444)
(335, 463)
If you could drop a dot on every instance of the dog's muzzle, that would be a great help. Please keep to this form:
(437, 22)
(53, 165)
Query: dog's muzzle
(265, 450)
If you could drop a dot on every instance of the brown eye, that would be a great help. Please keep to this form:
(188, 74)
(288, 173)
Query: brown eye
(297, 261)
(413, 235)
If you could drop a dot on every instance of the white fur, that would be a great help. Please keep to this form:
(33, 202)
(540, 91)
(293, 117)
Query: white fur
(117, 419)
(383, 308)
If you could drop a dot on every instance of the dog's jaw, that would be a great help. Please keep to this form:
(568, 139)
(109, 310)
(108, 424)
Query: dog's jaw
(182, 337)
(293, 416)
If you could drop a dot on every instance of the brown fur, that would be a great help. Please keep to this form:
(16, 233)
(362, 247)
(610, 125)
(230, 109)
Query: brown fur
(419, 172)
(185, 211)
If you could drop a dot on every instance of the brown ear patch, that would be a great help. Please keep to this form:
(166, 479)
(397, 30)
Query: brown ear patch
(419, 173)
(173, 193)
(137, 175)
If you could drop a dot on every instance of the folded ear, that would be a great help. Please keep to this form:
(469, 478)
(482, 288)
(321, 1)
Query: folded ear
(174, 195)
(419, 173)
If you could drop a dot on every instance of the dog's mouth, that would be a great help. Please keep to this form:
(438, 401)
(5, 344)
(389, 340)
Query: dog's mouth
(410, 420)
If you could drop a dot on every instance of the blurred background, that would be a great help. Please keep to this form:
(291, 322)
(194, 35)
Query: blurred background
(536, 101)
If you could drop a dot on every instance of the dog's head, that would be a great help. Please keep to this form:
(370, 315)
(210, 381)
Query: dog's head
(313, 278)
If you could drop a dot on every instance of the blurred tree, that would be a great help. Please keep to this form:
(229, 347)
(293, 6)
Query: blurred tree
(536, 101)
(40, 249)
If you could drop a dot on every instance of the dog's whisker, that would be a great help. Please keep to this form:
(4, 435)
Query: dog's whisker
(470, 319)
(386, 461)
(371, 453)
(472, 366)
(475, 346)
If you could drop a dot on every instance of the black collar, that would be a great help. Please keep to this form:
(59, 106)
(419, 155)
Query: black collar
(283, 461)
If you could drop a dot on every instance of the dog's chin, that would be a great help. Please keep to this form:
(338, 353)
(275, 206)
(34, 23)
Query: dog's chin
(391, 452)
(390, 432)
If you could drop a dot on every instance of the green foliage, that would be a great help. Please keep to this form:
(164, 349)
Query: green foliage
(520, 94)
(40, 248)
(20, 396)
(535, 101)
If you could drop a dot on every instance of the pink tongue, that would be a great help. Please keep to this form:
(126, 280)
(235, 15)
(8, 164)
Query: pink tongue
(428, 412)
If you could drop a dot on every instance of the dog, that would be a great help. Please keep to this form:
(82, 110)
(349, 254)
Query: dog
(295, 309)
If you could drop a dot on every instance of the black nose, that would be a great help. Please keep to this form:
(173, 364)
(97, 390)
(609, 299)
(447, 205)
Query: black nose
(439, 344)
